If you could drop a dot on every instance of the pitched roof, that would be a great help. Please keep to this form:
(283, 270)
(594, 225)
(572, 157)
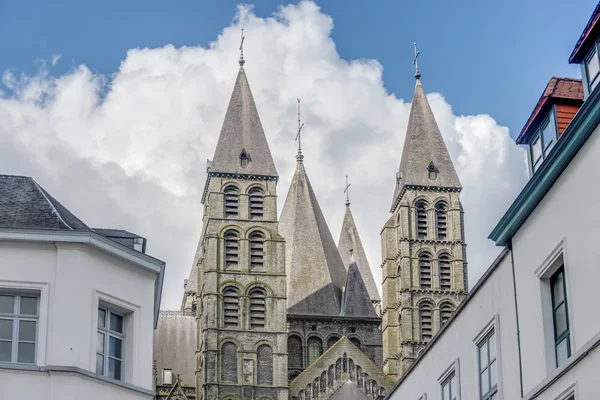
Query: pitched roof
(349, 391)
(350, 245)
(25, 204)
(423, 146)
(242, 131)
(587, 38)
(357, 302)
(316, 272)
(174, 344)
(558, 90)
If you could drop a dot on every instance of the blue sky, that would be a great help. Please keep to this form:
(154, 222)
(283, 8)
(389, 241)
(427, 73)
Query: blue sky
(485, 57)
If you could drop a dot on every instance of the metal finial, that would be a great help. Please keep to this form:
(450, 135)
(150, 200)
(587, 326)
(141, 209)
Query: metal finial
(299, 156)
(242, 61)
(347, 191)
(416, 62)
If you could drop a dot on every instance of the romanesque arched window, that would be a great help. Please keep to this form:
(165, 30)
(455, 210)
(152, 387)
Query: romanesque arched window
(445, 312)
(264, 365)
(445, 272)
(257, 250)
(441, 224)
(231, 307)
(332, 340)
(315, 349)
(229, 362)
(426, 321)
(295, 352)
(256, 203)
(425, 270)
(421, 219)
(355, 341)
(231, 240)
(231, 203)
(258, 308)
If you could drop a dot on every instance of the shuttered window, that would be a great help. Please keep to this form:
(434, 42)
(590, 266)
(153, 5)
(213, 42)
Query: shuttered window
(232, 249)
(231, 307)
(425, 316)
(421, 216)
(425, 270)
(231, 201)
(445, 312)
(257, 250)
(256, 203)
(445, 272)
(258, 304)
(441, 221)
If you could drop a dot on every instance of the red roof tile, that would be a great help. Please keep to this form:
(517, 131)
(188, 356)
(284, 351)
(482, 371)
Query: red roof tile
(587, 38)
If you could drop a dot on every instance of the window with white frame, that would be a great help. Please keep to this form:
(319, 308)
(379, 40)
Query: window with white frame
(109, 345)
(19, 314)
(167, 376)
(543, 141)
(488, 367)
(449, 388)
(592, 67)
(560, 314)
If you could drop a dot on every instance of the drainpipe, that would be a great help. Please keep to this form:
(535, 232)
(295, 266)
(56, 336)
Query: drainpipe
(512, 262)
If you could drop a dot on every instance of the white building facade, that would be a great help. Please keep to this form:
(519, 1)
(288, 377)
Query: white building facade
(77, 308)
(530, 328)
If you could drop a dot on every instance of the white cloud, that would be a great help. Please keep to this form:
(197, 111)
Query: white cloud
(129, 150)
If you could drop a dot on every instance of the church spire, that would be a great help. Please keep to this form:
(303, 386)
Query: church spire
(425, 159)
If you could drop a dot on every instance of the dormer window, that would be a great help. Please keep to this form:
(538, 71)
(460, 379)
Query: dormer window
(244, 158)
(432, 171)
(592, 68)
(543, 141)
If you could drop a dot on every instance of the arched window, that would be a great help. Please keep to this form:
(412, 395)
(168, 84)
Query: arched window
(232, 249)
(256, 203)
(231, 307)
(445, 272)
(315, 349)
(425, 317)
(264, 365)
(441, 224)
(421, 217)
(355, 341)
(257, 250)
(229, 362)
(425, 270)
(231, 201)
(323, 383)
(445, 312)
(258, 311)
(332, 340)
(294, 352)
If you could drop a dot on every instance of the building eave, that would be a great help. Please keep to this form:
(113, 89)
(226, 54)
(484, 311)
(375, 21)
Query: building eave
(98, 242)
(583, 44)
(577, 132)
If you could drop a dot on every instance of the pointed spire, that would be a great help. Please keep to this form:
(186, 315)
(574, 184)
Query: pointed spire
(425, 159)
(357, 302)
(352, 251)
(316, 273)
(242, 147)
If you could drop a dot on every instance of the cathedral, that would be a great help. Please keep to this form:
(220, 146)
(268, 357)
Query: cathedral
(274, 309)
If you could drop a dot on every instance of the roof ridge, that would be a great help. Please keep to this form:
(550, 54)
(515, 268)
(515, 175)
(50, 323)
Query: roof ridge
(54, 210)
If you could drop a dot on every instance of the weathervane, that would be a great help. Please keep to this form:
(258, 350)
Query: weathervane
(242, 61)
(416, 62)
(347, 191)
(299, 156)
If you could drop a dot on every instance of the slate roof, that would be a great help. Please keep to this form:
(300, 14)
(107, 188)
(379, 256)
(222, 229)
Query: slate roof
(174, 343)
(25, 204)
(357, 302)
(316, 272)
(423, 145)
(588, 37)
(349, 391)
(242, 130)
(350, 246)
(120, 233)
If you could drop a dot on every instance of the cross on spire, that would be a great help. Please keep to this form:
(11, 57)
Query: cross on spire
(347, 191)
(416, 62)
(242, 61)
(299, 156)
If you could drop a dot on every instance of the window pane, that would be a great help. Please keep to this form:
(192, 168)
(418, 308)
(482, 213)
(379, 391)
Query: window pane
(7, 304)
(5, 351)
(446, 391)
(492, 345)
(99, 364)
(101, 318)
(548, 132)
(116, 323)
(560, 319)
(114, 369)
(558, 294)
(493, 374)
(100, 343)
(27, 330)
(452, 387)
(167, 377)
(483, 356)
(114, 347)
(536, 150)
(562, 352)
(26, 353)
(28, 306)
(593, 66)
(6, 329)
(485, 382)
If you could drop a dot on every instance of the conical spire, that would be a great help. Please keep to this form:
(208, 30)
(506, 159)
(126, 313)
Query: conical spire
(425, 158)
(357, 302)
(242, 147)
(350, 247)
(315, 270)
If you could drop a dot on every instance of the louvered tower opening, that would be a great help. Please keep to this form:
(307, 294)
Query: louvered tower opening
(258, 308)
(421, 220)
(445, 312)
(232, 249)
(425, 270)
(256, 203)
(257, 250)
(425, 315)
(231, 307)
(232, 201)
(445, 272)
(441, 221)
